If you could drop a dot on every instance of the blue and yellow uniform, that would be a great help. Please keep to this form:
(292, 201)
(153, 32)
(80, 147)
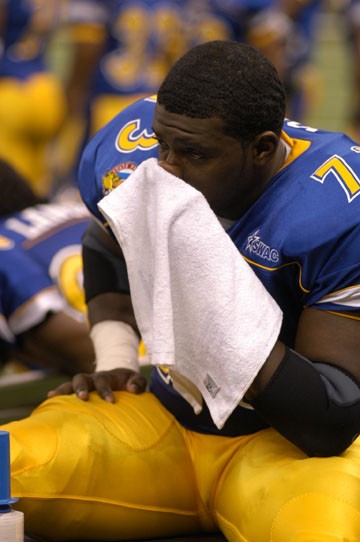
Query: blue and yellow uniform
(32, 98)
(40, 266)
(135, 469)
(142, 39)
(299, 264)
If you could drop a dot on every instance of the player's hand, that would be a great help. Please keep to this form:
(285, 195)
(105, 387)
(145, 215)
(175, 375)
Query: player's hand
(104, 382)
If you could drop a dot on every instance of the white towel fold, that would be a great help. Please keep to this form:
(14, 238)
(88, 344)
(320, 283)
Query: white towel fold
(199, 306)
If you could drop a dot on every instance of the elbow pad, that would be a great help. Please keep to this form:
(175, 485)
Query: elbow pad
(314, 405)
(103, 271)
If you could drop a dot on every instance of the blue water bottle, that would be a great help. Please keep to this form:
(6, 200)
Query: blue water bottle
(11, 521)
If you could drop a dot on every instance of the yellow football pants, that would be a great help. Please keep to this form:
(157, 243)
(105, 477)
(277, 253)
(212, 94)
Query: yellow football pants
(31, 114)
(101, 471)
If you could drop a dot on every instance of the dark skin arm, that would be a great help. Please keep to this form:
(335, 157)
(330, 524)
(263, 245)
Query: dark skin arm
(108, 306)
(111, 306)
(293, 7)
(60, 343)
(3, 13)
(321, 336)
(85, 55)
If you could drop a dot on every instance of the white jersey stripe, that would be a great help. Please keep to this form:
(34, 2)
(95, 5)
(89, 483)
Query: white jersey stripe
(349, 297)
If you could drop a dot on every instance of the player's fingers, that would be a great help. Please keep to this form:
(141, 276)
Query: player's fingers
(136, 383)
(82, 384)
(102, 384)
(63, 389)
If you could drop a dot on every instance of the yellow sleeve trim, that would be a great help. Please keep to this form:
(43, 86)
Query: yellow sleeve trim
(298, 147)
(344, 314)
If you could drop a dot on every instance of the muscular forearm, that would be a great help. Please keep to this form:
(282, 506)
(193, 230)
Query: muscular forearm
(312, 394)
(61, 343)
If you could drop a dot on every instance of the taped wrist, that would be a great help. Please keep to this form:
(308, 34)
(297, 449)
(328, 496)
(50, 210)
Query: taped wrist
(116, 346)
(314, 405)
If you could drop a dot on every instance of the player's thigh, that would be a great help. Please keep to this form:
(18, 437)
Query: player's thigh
(102, 470)
(271, 491)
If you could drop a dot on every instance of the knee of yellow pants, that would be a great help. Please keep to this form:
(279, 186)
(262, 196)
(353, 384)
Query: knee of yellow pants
(273, 492)
(317, 517)
(98, 470)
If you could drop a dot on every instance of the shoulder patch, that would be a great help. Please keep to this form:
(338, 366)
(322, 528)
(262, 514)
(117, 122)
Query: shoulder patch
(116, 175)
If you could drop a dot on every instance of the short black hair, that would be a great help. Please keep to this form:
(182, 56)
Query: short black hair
(15, 192)
(229, 80)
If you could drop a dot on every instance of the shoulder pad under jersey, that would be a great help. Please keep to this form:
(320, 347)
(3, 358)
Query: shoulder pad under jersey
(116, 151)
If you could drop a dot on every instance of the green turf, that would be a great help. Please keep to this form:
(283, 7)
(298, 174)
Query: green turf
(18, 395)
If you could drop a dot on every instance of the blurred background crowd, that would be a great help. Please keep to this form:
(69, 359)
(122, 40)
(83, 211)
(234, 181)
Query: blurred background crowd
(68, 66)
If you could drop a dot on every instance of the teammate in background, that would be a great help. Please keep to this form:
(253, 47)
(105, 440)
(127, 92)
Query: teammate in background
(32, 97)
(42, 308)
(287, 467)
(122, 50)
(351, 15)
(303, 83)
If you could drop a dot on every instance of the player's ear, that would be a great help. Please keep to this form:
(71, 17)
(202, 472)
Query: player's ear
(264, 147)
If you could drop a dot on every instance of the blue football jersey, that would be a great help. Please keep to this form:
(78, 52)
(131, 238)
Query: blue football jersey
(40, 265)
(301, 236)
(116, 151)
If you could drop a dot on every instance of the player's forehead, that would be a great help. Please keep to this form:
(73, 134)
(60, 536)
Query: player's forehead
(190, 129)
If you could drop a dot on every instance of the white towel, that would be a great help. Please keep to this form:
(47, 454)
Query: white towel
(199, 306)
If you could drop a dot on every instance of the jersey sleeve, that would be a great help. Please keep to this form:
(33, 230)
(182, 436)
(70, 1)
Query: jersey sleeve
(27, 294)
(337, 287)
(115, 152)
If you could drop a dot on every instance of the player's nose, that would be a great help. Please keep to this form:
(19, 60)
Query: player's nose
(172, 166)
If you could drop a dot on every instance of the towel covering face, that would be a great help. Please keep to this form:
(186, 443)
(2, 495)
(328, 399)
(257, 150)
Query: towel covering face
(200, 308)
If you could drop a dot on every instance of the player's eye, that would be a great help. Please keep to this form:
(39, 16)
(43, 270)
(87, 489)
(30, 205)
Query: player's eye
(161, 143)
(196, 154)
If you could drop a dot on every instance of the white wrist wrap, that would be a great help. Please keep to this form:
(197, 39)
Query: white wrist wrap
(116, 346)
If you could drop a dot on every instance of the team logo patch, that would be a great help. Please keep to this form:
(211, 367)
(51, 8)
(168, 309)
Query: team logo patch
(133, 136)
(116, 176)
(256, 246)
